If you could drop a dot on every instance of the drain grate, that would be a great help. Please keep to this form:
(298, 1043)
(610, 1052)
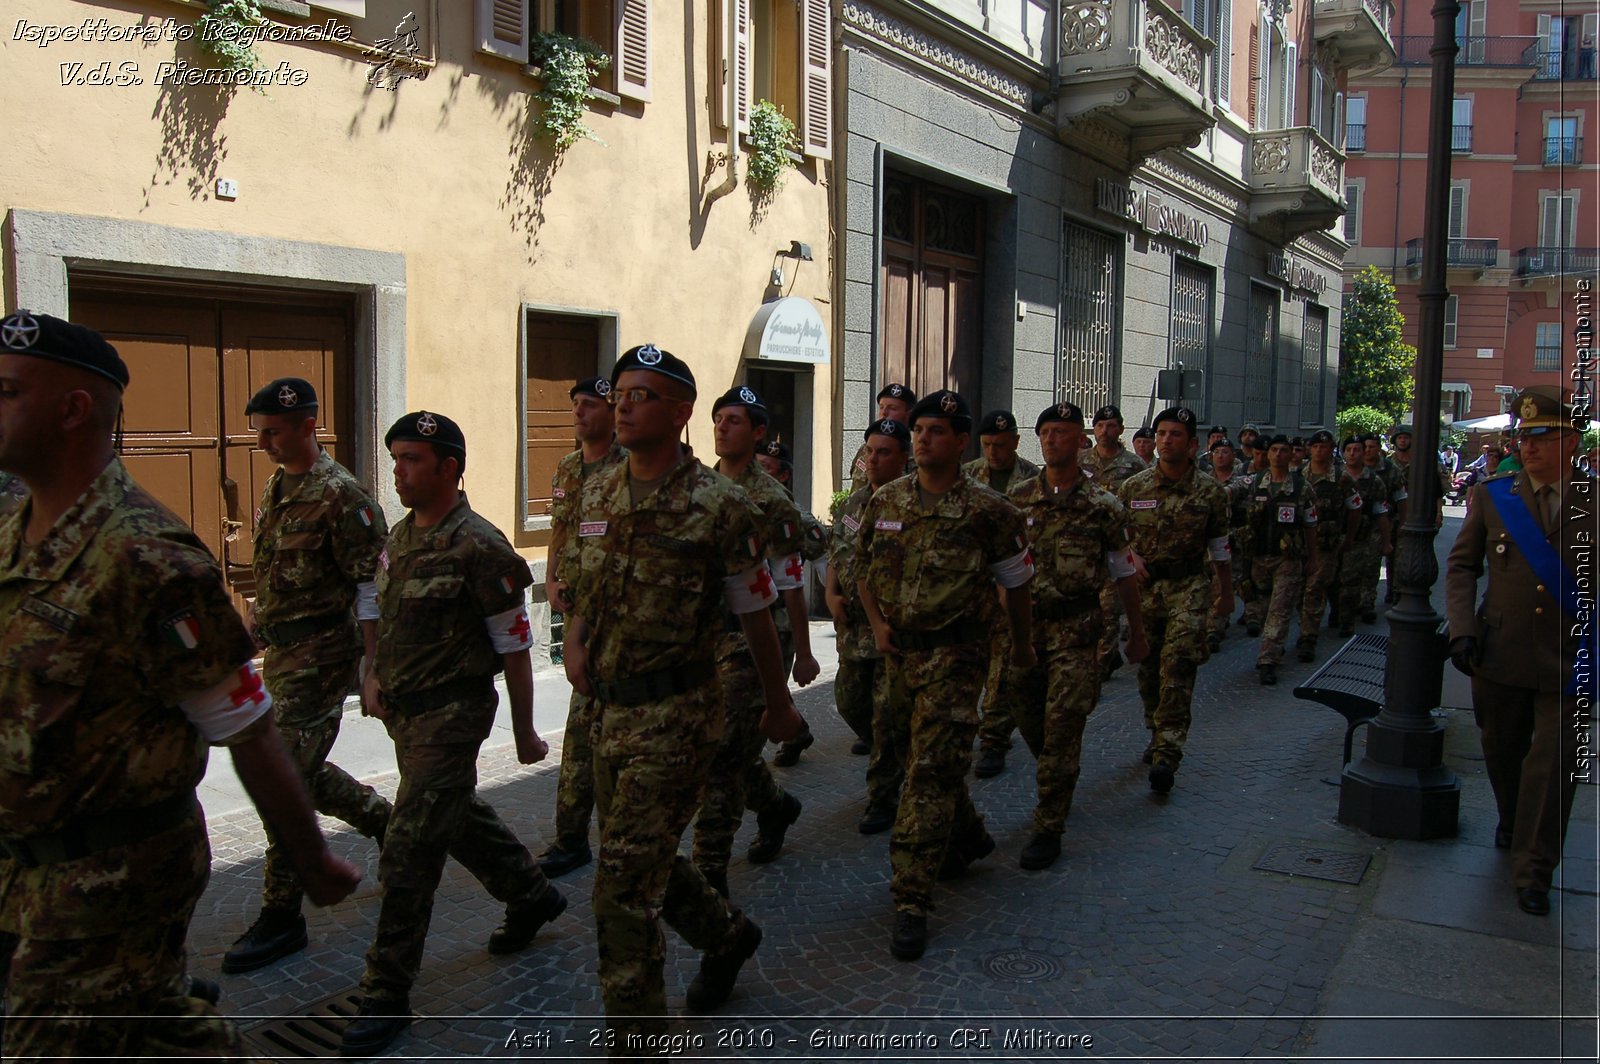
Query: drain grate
(1020, 966)
(1337, 866)
(313, 1035)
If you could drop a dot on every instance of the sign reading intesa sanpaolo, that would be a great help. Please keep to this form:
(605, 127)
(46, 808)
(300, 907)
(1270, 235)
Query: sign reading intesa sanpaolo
(1150, 212)
(787, 330)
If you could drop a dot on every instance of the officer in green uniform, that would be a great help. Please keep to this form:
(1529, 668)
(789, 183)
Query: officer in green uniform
(1235, 484)
(1108, 464)
(933, 547)
(998, 467)
(121, 661)
(1079, 539)
(1367, 537)
(1177, 522)
(452, 604)
(894, 404)
(665, 548)
(860, 688)
(1283, 530)
(1332, 494)
(317, 538)
(598, 450)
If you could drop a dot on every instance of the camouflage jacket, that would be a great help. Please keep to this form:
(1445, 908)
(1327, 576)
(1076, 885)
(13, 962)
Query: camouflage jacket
(929, 568)
(978, 469)
(313, 547)
(13, 493)
(109, 622)
(1369, 494)
(779, 523)
(1280, 514)
(855, 638)
(1071, 533)
(1395, 479)
(1110, 472)
(1333, 493)
(1171, 522)
(566, 487)
(1237, 490)
(437, 589)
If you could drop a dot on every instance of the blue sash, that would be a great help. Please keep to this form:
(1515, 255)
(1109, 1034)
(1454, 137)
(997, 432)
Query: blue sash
(1546, 564)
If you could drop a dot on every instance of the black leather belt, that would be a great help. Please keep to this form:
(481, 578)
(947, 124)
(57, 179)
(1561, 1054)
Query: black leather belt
(411, 703)
(951, 635)
(281, 635)
(1066, 609)
(1174, 570)
(654, 686)
(89, 835)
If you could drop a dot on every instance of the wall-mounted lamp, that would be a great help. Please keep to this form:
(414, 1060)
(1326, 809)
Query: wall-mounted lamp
(800, 251)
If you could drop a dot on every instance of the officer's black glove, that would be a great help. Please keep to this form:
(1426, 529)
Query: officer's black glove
(1463, 652)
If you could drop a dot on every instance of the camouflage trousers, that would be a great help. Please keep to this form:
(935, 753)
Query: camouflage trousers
(1280, 580)
(998, 722)
(1053, 702)
(933, 719)
(1253, 595)
(575, 784)
(738, 777)
(1114, 631)
(98, 957)
(1314, 599)
(1175, 613)
(644, 800)
(1358, 579)
(437, 812)
(861, 691)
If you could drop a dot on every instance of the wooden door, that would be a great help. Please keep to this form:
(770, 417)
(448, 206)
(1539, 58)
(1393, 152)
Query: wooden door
(561, 350)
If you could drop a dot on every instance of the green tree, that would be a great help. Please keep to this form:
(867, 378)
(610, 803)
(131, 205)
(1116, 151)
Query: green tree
(1375, 367)
(1362, 421)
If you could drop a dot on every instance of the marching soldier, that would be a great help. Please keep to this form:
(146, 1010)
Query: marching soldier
(933, 547)
(1400, 437)
(1214, 434)
(129, 661)
(597, 451)
(1394, 483)
(860, 690)
(452, 603)
(1235, 484)
(894, 404)
(1108, 464)
(1079, 539)
(1283, 528)
(1254, 460)
(317, 539)
(1367, 537)
(1177, 522)
(665, 548)
(1332, 495)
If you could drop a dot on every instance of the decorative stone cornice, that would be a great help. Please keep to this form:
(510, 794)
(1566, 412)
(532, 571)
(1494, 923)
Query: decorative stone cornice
(924, 47)
(1226, 202)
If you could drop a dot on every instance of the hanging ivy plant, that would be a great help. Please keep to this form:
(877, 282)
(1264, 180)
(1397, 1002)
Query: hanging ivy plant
(220, 33)
(770, 140)
(567, 69)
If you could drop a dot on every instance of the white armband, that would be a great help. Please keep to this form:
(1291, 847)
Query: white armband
(1014, 571)
(510, 631)
(1219, 549)
(1401, 495)
(750, 590)
(228, 708)
(786, 580)
(367, 600)
(1120, 562)
(1380, 508)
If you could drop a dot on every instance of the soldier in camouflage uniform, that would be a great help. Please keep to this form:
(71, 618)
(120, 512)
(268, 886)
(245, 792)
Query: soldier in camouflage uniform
(1177, 521)
(739, 777)
(1235, 484)
(1367, 537)
(1108, 464)
(861, 686)
(933, 547)
(598, 450)
(123, 661)
(1395, 483)
(999, 467)
(1332, 494)
(13, 492)
(1214, 435)
(1079, 537)
(894, 404)
(665, 548)
(1254, 463)
(317, 538)
(452, 604)
(1283, 530)
(1400, 437)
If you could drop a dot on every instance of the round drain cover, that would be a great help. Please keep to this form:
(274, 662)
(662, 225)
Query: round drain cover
(1020, 966)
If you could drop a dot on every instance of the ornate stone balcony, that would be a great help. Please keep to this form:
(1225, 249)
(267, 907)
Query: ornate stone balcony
(1137, 67)
(1296, 179)
(1357, 31)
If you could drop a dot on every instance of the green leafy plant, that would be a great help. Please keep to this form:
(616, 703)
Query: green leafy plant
(770, 140)
(1375, 367)
(1361, 420)
(838, 500)
(567, 69)
(220, 33)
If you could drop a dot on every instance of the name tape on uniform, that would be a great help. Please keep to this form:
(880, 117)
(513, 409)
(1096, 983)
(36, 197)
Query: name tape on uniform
(592, 528)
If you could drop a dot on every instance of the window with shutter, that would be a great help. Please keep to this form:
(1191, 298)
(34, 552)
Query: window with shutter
(1557, 220)
(633, 49)
(503, 29)
(1452, 306)
(1461, 124)
(1355, 123)
(816, 110)
(736, 66)
(1458, 212)
(1286, 111)
(1222, 37)
(1352, 213)
(1261, 63)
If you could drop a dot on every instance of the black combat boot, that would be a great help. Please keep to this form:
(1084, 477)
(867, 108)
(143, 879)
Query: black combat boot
(772, 827)
(377, 1023)
(523, 921)
(276, 934)
(718, 971)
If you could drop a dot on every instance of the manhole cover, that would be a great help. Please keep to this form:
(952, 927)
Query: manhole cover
(313, 1035)
(1020, 966)
(1338, 866)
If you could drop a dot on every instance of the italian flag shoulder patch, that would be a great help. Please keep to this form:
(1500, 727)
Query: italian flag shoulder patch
(182, 630)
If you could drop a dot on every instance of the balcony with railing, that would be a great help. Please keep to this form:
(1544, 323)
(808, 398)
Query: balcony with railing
(1461, 139)
(1473, 51)
(1137, 66)
(1460, 252)
(1563, 64)
(1355, 137)
(1563, 151)
(1557, 261)
(1357, 32)
(1296, 178)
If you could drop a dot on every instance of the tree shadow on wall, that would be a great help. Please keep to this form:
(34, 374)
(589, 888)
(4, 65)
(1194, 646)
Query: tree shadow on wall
(534, 162)
(193, 146)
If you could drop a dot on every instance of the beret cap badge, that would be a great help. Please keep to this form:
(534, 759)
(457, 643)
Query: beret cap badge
(948, 403)
(427, 425)
(649, 355)
(20, 331)
(287, 396)
(602, 387)
(745, 395)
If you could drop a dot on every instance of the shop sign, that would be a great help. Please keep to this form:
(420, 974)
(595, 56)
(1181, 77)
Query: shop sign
(787, 330)
(1150, 212)
(1296, 274)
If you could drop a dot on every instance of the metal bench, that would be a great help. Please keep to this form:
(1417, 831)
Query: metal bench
(1351, 683)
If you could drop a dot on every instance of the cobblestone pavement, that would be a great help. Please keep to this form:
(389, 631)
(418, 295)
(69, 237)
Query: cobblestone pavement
(1153, 936)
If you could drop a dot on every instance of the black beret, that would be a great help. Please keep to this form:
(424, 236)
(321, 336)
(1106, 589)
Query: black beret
(598, 387)
(1181, 414)
(997, 421)
(946, 404)
(1224, 442)
(286, 395)
(1297, 441)
(888, 426)
(1110, 413)
(1145, 433)
(1372, 437)
(1216, 428)
(898, 391)
(1348, 440)
(423, 427)
(1062, 411)
(745, 396)
(1321, 436)
(1274, 441)
(652, 358)
(45, 336)
(779, 450)
(1260, 443)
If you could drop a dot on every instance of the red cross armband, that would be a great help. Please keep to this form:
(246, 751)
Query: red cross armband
(510, 631)
(750, 590)
(223, 711)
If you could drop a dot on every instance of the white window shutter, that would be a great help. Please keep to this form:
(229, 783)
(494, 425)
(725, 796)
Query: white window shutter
(1338, 120)
(736, 66)
(816, 87)
(1289, 70)
(503, 29)
(1452, 305)
(1458, 212)
(1352, 213)
(1315, 113)
(1263, 73)
(1222, 36)
(633, 49)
